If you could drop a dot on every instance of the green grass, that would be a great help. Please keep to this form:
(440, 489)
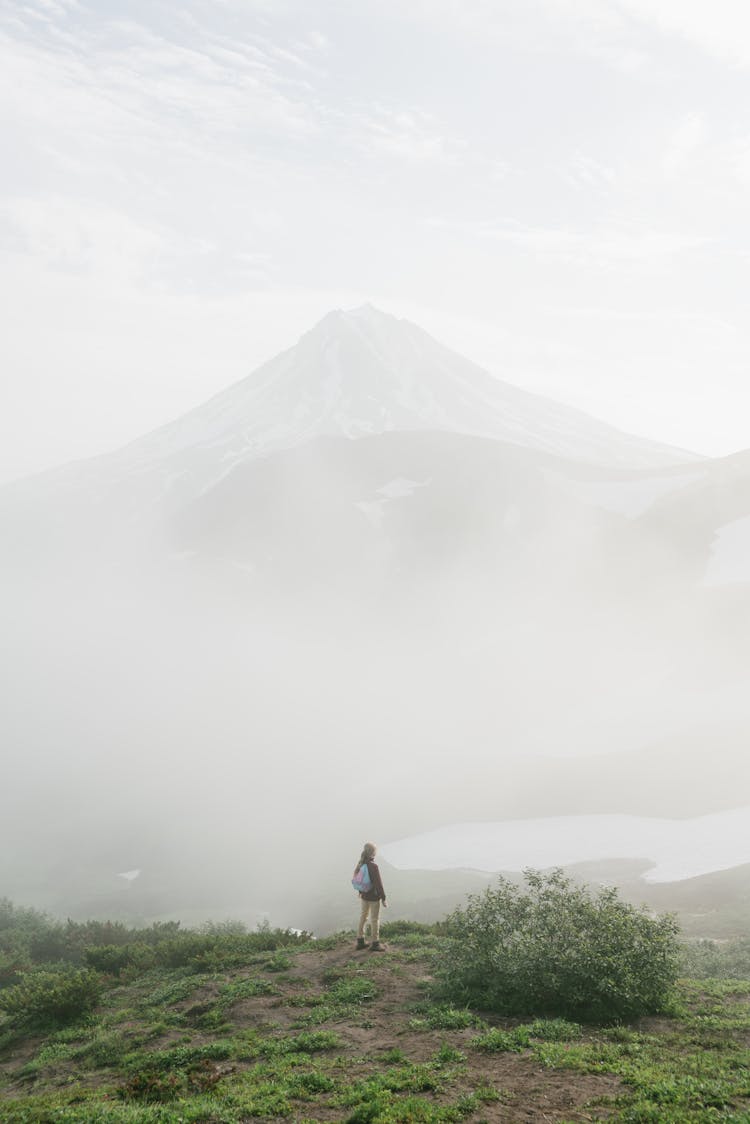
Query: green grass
(342, 999)
(237, 1042)
(497, 1041)
(443, 1016)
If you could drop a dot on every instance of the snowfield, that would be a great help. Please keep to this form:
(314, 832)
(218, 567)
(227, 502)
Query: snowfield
(678, 849)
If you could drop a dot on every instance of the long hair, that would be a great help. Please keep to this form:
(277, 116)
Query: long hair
(368, 854)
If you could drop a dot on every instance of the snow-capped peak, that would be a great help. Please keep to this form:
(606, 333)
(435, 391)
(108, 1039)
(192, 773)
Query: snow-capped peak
(363, 372)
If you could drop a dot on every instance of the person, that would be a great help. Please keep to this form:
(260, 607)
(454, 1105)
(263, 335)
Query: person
(371, 900)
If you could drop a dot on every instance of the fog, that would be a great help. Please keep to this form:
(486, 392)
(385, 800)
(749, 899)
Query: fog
(370, 590)
(229, 693)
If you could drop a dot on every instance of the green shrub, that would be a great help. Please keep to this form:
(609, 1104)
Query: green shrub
(112, 958)
(29, 937)
(51, 997)
(12, 964)
(210, 951)
(280, 962)
(105, 1048)
(710, 960)
(448, 1054)
(403, 928)
(228, 927)
(84, 934)
(555, 948)
(153, 1088)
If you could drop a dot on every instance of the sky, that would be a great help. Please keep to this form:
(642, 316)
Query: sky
(555, 188)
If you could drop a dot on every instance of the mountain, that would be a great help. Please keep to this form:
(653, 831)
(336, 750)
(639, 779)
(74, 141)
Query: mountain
(356, 374)
(368, 555)
(312, 414)
(364, 372)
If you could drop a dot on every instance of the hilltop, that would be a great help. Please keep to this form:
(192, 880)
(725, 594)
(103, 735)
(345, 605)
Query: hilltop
(226, 1030)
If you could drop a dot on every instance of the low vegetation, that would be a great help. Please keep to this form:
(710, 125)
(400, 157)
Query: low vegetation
(557, 948)
(100, 1023)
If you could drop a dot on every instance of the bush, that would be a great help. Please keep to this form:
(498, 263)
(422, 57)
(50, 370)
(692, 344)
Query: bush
(154, 1088)
(28, 937)
(112, 958)
(51, 997)
(554, 948)
(216, 951)
(707, 959)
(404, 928)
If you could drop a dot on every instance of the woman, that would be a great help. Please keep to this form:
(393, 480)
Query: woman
(371, 900)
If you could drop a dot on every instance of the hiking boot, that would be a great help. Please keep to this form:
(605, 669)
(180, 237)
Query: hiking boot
(376, 946)
(361, 942)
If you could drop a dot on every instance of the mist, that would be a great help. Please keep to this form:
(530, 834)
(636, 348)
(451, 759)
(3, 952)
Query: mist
(220, 680)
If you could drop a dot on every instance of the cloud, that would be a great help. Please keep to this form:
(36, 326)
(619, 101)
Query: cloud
(408, 135)
(318, 40)
(721, 28)
(688, 137)
(80, 237)
(596, 248)
(587, 171)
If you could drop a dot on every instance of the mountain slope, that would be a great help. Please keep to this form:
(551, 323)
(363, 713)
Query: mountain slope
(355, 374)
(364, 372)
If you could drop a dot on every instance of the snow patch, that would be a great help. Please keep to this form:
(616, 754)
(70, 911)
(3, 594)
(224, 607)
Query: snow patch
(730, 554)
(397, 489)
(679, 849)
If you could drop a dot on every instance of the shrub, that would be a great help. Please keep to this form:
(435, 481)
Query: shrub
(279, 962)
(154, 1088)
(51, 997)
(404, 928)
(113, 958)
(707, 959)
(555, 948)
(229, 927)
(12, 964)
(29, 936)
(215, 951)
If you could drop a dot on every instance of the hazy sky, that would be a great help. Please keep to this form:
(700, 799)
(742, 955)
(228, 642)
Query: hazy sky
(556, 188)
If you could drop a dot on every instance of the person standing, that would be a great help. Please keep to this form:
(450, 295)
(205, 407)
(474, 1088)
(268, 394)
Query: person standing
(371, 900)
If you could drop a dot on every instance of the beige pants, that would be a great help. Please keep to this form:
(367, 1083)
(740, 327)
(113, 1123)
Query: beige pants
(373, 908)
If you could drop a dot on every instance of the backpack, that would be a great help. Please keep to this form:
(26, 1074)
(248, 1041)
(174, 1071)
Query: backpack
(361, 880)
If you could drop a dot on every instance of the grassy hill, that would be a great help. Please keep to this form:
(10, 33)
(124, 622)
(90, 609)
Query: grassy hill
(228, 1027)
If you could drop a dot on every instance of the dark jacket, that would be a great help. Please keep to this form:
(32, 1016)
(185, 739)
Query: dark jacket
(377, 893)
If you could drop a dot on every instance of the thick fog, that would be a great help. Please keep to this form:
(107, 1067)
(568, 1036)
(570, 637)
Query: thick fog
(371, 590)
(231, 693)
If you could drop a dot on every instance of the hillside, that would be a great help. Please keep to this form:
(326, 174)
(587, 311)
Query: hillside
(318, 1032)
